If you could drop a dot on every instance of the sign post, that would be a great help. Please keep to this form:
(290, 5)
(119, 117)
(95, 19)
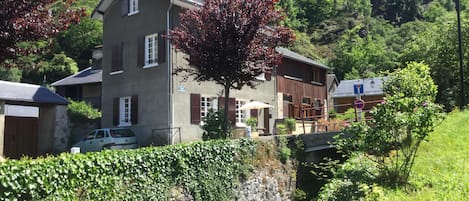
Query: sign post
(359, 104)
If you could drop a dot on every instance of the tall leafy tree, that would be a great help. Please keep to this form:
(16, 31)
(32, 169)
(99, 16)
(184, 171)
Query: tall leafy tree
(32, 21)
(231, 42)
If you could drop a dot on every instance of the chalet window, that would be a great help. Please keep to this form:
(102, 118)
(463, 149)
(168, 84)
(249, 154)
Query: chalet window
(133, 7)
(287, 98)
(241, 115)
(306, 100)
(151, 50)
(125, 111)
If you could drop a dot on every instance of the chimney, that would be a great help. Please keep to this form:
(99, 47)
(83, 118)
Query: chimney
(97, 57)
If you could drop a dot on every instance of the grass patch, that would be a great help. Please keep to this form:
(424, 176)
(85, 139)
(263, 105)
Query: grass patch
(441, 170)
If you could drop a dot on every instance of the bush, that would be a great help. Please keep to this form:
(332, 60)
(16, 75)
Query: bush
(252, 122)
(82, 111)
(284, 152)
(290, 123)
(213, 126)
(281, 129)
(299, 195)
(207, 170)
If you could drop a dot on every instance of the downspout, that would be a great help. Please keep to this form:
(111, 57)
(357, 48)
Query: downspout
(170, 63)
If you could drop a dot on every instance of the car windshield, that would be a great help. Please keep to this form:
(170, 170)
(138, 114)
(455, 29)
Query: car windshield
(122, 133)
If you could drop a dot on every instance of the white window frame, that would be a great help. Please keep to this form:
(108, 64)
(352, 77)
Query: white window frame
(151, 50)
(207, 103)
(241, 115)
(125, 106)
(261, 77)
(133, 7)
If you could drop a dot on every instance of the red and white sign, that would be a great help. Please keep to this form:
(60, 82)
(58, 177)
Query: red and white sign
(359, 104)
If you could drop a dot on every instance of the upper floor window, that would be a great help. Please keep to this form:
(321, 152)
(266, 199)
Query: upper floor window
(151, 50)
(133, 7)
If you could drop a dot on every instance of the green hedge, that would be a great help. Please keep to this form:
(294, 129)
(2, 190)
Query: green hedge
(208, 171)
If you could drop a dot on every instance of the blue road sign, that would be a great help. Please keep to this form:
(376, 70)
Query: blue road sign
(358, 88)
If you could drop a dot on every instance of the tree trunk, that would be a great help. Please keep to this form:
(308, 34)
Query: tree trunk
(225, 111)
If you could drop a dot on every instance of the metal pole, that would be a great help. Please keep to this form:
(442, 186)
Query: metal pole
(461, 64)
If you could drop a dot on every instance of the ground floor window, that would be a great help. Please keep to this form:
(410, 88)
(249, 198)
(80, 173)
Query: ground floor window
(124, 111)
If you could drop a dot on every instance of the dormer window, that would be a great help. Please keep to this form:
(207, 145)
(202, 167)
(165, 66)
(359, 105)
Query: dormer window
(133, 7)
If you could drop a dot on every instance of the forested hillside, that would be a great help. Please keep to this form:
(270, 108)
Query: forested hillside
(357, 38)
(363, 38)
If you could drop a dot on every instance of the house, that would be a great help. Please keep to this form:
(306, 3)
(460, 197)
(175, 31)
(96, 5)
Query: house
(84, 85)
(33, 120)
(344, 95)
(140, 91)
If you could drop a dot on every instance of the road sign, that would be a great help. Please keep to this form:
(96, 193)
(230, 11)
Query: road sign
(358, 88)
(359, 104)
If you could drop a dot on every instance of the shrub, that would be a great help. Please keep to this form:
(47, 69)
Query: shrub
(252, 122)
(399, 124)
(290, 124)
(281, 129)
(82, 111)
(207, 170)
(213, 126)
(284, 152)
(299, 195)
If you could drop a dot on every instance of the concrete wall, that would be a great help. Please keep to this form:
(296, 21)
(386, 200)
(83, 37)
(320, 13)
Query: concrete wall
(2, 126)
(62, 129)
(150, 84)
(46, 127)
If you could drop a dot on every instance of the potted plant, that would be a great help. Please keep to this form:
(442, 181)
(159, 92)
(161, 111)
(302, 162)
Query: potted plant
(290, 124)
(252, 123)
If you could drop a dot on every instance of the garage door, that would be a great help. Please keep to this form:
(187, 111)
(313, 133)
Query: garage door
(21, 136)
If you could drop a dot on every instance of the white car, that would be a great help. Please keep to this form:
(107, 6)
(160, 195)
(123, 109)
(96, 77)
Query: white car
(108, 138)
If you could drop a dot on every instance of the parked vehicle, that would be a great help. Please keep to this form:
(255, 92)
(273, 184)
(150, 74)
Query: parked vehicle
(108, 138)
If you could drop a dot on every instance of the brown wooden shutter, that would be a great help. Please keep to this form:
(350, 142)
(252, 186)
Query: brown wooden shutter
(115, 112)
(254, 113)
(134, 109)
(268, 76)
(124, 7)
(117, 52)
(232, 110)
(141, 51)
(195, 108)
(161, 47)
(221, 103)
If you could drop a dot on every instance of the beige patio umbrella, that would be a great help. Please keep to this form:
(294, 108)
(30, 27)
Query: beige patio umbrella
(254, 105)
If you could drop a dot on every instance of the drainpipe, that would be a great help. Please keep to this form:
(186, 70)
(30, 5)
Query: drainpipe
(170, 94)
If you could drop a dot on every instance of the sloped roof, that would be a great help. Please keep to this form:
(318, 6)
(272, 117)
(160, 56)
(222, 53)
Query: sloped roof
(85, 76)
(12, 91)
(298, 57)
(345, 88)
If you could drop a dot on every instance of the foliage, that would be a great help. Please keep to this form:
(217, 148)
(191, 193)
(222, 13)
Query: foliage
(208, 171)
(399, 124)
(352, 180)
(284, 152)
(10, 74)
(398, 11)
(281, 129)
(252, 122)
(441, 165)
(58, 67)
(290, 124)
(79, 40)
(299, 195)
(32, 21)
(213, 126)
(82, 111)
(230, 42)
(349, 115)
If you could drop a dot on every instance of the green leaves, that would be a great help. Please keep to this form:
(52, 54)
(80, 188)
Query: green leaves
(207, 170)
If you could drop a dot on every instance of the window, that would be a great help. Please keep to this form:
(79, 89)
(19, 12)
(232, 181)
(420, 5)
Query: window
(133, 7)
(99, 134)
(205, 106)
(151, 50)
(125, 104)
(241, 115)
(287, 98)
(306, 100)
